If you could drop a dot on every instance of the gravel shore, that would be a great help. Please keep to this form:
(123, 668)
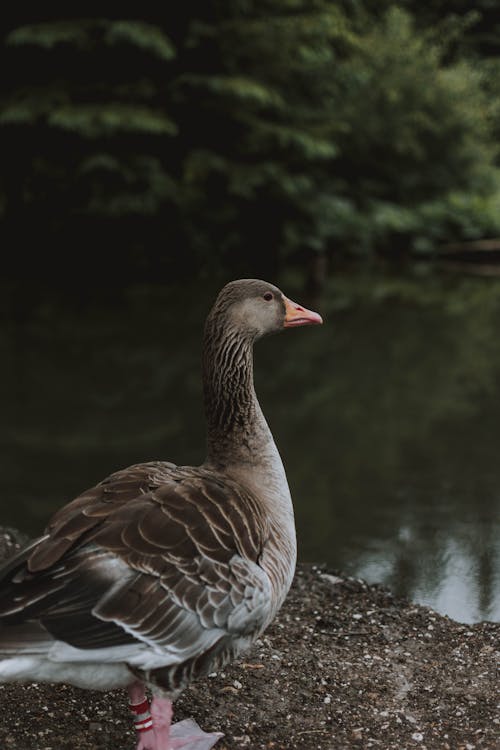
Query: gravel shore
(344, 665)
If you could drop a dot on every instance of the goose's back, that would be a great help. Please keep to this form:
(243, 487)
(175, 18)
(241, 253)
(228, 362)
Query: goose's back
(157, 566)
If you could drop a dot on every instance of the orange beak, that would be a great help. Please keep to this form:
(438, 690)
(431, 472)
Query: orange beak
(296, 315)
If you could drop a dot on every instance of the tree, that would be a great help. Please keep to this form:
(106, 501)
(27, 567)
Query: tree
(86, 144)
(242, 134)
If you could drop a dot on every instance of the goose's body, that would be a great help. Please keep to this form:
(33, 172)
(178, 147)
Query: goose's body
(152, 569)
(163, 573)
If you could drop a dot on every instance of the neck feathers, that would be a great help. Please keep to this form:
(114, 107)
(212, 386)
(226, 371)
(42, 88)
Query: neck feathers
(240, 444)
(236, 428)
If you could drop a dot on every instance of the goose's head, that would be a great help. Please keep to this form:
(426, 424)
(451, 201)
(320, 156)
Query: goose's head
(255, 308)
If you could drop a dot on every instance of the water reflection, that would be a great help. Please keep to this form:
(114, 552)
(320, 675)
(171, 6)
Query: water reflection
(387, 419)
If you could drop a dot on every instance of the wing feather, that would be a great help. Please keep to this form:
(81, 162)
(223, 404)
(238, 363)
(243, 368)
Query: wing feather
(160, 565)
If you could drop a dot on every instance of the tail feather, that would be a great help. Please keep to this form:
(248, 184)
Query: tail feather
(24, 638)
(18, 558)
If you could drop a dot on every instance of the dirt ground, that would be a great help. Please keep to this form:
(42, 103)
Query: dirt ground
(344, 665)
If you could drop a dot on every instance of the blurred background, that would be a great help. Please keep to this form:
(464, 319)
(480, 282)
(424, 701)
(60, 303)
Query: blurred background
(347, 151)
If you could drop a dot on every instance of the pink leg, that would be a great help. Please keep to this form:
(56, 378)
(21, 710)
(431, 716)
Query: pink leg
(154, 727)
(139, 706)
(161, 711)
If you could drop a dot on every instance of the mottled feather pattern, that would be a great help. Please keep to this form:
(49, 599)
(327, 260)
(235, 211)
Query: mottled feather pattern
(168, 561)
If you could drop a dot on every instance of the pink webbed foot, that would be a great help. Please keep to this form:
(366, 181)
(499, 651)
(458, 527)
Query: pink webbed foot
(147, 740)
(185, 735)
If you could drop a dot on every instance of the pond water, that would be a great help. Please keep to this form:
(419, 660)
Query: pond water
(387, 418)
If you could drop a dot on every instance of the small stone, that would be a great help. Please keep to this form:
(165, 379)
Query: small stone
(333, 580)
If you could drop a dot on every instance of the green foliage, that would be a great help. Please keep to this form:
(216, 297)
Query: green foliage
(401, 108)
(84, 132)
(233, 89)
(250, 133)
(94, 121)
(48, 35)
(416, 142)
(137, 185)
(147, 37)
(85, 35)
(421, 227)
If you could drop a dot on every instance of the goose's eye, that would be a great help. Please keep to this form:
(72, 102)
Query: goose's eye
(268, 296)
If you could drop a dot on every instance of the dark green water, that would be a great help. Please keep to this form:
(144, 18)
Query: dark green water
(387, 418)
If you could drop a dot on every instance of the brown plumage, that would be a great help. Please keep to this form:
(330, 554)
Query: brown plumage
(165, 572)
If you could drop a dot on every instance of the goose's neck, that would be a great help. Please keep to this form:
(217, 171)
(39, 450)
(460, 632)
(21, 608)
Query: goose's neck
(237, 432)
(240, 444)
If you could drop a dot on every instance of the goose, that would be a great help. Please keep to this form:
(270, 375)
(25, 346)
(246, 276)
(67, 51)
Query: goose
(161, 574)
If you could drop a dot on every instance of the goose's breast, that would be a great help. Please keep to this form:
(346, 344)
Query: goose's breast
(278, 559)
(265, 481)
